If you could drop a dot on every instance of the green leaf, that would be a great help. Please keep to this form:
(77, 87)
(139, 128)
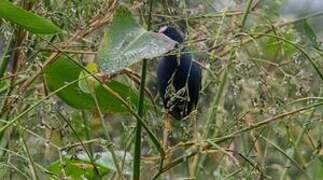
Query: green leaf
(310, 34)
(4, 85)
(77, 169)
(80, 165)
(105, 159)
(64, 70)
(26, 20)
(126, 43)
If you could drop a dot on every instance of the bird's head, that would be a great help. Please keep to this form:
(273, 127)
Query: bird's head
(172, 33)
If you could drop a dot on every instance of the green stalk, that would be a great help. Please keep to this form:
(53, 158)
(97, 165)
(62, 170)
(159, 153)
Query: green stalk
(246, 12)
(20, 115)
(208, 129)
(297, 143)
(5, 60)
(30, 160)
(107, 134)
(136, 163)
(137, 153)
(92, 161)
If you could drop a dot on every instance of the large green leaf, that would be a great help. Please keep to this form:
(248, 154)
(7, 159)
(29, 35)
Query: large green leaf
(64, 70)
(25, 19)
(105, 159)
(80, 165)
(126, 42)
(77, 169)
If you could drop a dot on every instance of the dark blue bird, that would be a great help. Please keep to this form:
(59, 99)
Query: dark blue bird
(179, 79)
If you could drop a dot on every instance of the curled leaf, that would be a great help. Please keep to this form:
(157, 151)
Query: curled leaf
(126, 43)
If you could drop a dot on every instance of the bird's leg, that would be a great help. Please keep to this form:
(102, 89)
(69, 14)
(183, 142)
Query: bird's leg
(166, 134)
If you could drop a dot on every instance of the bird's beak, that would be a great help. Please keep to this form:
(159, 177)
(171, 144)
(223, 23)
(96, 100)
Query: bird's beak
(162, 29)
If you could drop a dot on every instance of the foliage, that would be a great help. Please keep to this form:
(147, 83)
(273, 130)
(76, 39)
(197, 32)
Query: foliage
(126, 42)
(25, 19)
(64, 70)
(69, 100)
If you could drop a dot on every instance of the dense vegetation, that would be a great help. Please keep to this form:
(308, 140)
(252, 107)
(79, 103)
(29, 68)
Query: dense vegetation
(76, 103)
